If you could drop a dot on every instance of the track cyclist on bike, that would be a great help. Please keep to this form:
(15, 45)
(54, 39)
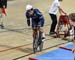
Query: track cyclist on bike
(37, 19)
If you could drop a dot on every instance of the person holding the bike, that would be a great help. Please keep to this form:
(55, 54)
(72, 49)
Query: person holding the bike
(37, 19)
(52, 12)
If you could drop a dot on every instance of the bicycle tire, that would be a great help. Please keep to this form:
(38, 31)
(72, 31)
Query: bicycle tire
(35, 43)
(40, 42)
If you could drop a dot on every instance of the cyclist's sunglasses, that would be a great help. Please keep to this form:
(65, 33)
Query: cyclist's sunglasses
(30, 10)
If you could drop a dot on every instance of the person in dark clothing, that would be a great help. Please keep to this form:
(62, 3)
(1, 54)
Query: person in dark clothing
(1, 6)
(3, 3)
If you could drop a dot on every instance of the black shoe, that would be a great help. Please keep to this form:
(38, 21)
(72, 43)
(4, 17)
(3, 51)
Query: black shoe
(52, 33)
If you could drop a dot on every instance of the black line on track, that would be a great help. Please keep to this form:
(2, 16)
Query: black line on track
(43, 50)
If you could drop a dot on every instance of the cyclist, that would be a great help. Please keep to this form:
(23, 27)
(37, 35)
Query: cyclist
(37, 19)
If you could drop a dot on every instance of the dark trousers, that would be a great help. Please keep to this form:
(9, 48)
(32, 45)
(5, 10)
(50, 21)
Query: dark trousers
(3, 3)
(54, 22)
(74, 33)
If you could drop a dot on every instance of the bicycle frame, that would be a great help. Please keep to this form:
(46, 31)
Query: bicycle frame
(37, 42)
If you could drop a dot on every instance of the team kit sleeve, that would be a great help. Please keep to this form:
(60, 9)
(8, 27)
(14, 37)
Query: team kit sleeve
(40, 15)
(28, 19)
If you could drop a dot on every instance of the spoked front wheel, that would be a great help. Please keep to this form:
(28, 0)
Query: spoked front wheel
(40, 41)
(35, 43)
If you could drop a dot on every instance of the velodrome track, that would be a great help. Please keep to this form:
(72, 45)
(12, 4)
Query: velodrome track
(16, 38)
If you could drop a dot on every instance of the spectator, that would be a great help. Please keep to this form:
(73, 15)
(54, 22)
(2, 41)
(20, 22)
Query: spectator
(52, 12)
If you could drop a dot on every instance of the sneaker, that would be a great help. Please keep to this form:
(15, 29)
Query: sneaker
(52, 33)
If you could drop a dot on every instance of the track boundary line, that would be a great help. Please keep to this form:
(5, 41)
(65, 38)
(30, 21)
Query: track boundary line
(19, 46)
(38, 51)
(15, 47)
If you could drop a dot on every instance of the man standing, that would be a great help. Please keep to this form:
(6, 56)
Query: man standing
(52, 12)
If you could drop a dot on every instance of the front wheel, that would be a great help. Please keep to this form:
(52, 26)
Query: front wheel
(40, 41)
(35, 46)
(35, 43)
